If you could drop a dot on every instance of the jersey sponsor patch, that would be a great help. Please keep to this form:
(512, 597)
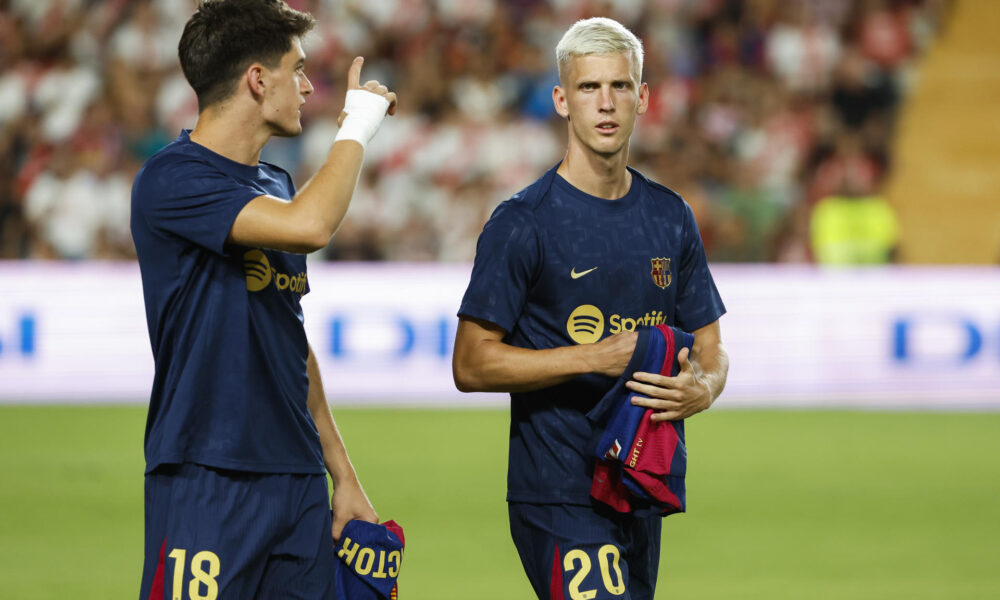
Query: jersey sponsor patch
(585, 324)
(260, 274)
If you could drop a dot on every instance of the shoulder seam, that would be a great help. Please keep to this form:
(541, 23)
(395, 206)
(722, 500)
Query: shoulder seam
(657, 185)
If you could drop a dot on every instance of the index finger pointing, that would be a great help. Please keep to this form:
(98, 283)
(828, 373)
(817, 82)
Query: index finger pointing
(354, 73)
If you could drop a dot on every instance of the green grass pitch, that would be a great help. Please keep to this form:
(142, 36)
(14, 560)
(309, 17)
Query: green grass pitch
(796, 505)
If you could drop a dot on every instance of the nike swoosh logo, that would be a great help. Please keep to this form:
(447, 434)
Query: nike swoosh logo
(576, 275)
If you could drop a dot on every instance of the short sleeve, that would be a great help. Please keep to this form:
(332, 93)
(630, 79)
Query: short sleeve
(193, 200)
(507, 259)
(698, 300)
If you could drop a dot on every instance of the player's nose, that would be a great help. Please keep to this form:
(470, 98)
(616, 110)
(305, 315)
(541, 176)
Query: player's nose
(607, 100)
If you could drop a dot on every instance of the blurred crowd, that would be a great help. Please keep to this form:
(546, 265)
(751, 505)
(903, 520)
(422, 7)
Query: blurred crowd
(760, 109)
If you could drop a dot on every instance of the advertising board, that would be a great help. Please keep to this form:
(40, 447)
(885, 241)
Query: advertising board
(904, 337)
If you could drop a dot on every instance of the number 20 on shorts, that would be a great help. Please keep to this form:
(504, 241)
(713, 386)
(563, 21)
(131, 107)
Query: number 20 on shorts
(205, 568)
(578, 561)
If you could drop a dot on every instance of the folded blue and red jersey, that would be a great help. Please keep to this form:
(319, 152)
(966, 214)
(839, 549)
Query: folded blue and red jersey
(640, 464)
(370, 555)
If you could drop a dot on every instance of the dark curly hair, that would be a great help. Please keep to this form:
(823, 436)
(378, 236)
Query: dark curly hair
(224, 37)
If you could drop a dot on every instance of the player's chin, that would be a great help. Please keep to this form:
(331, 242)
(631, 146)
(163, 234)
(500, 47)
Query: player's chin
(607, 147)
(291, 129)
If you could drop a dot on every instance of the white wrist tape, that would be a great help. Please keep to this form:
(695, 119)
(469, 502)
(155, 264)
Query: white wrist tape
(365, 111)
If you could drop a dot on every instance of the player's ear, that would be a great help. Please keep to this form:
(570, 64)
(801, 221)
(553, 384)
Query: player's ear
(643, 104)
(559, 101)
(256, 78)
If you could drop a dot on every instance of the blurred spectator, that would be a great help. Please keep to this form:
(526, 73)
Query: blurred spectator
(802, 49)
(144, 42)
(854, 230)
(861, 90)
(847, 166)
(759, 110)
(884, 36)
(63, 205)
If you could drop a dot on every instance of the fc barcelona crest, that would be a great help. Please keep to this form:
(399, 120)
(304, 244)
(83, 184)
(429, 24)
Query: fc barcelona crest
(661, 272)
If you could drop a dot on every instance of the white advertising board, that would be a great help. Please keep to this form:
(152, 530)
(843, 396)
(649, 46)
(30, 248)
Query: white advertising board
(798, 336)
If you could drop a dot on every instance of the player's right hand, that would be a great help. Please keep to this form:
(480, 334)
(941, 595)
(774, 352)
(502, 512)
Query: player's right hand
(611, 355)
(350, 502)
(354, 83)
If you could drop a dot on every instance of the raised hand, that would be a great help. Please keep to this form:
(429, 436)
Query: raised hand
(354, 83)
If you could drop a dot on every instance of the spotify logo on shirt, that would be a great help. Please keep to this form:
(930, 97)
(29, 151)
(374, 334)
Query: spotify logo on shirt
(585, 324)
(260, 274)
(257, 269)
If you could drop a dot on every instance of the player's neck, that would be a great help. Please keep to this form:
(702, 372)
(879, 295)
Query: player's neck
(601, 176)
(231, 134)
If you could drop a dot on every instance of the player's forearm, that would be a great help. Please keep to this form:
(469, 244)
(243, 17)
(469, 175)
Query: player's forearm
(335, 457)
(482, 362)
(711, 362)
(326, 196)
(710, 359)
(322, 203)
(493, 366)
(307, 223)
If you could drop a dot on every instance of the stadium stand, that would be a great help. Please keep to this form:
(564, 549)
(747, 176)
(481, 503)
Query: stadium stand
(945, 179)
(759, 109)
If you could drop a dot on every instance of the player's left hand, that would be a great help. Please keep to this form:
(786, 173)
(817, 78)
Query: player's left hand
(373, 86)
(350, 502)
(676, 397)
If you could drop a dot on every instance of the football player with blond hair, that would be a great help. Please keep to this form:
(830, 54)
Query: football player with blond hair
(565, 272)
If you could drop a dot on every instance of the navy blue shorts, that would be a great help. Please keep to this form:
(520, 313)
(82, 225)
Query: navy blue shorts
(213, 533)
(593, 552)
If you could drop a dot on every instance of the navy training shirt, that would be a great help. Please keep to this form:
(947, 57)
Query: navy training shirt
(556, 267)
(225, 322)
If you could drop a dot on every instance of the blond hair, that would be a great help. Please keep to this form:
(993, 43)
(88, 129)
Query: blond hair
(602, 36)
